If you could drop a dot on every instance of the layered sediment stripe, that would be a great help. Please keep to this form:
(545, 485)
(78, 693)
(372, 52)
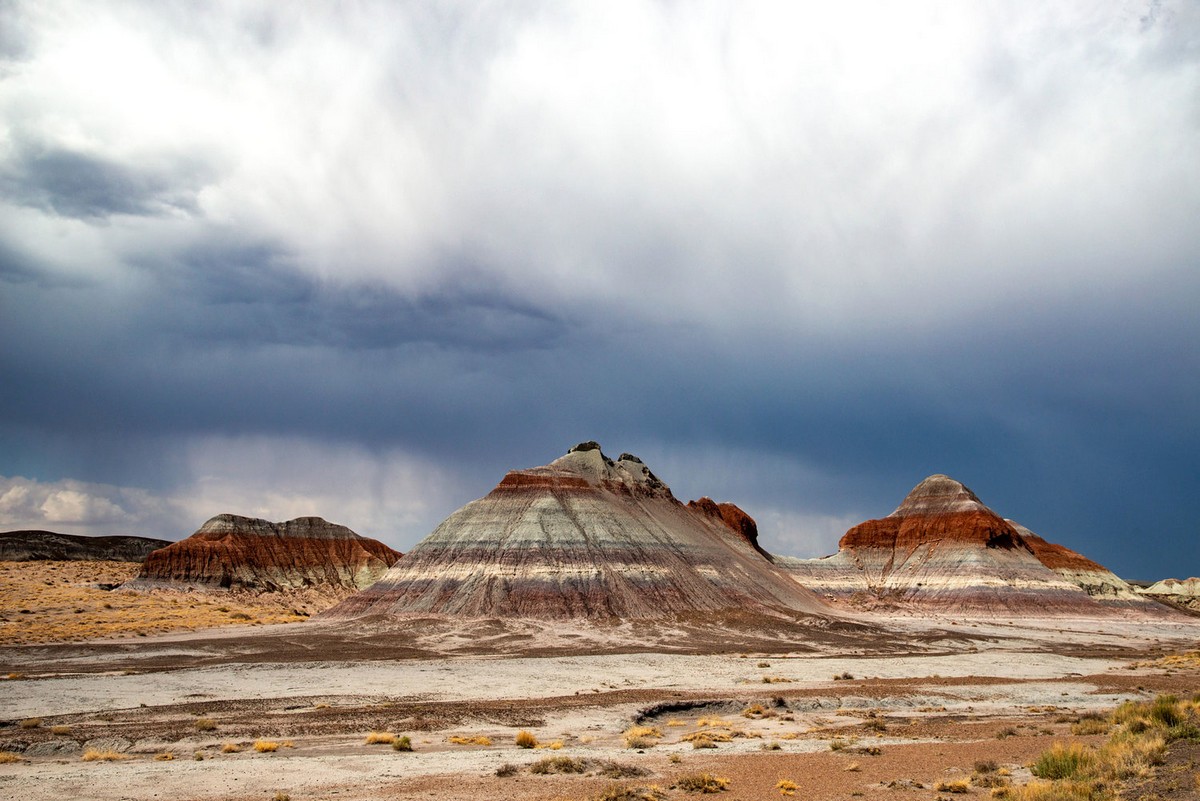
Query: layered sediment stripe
(231, 551)
(584, 536)
(943, 549)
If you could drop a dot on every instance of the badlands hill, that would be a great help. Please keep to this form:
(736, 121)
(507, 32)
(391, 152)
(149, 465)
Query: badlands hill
(1183, 594)
(1094, 579)
(233, 552)
(29, 546)
(585, 536)
(942, 549)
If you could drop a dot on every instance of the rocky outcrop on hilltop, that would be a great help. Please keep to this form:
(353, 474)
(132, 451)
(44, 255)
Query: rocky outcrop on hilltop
(943, 550)
(735, 520)
(29, 546)
(232, 552)
(584, 537)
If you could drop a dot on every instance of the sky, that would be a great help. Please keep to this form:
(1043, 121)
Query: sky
(358, 260)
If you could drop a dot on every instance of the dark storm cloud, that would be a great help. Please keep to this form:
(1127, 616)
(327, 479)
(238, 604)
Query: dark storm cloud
(253, 296)
(357, 262)
(74, 184)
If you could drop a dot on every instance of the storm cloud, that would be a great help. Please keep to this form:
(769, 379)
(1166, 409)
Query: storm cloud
(796, 258)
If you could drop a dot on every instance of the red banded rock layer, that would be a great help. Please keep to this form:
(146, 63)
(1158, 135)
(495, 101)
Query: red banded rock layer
(246, 553)
(1095, 579)
(584, 536)
(735, 520)
(942, 549)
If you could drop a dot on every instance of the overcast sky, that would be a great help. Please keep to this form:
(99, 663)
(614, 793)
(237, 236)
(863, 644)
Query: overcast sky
(358, 260)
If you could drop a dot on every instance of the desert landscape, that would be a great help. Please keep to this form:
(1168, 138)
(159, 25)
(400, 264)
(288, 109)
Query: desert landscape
(581, 634)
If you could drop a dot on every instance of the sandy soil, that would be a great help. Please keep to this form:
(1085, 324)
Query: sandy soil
(75, 601)
(904, 703)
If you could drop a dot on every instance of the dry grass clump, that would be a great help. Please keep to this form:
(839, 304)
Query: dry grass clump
(30, 723)
(525, 739)
(266, 746)
(619, 792)
(506, 770)
(560, 764)
(711, 735)
(701, 783)
(230, 748)
(1074, 771)
(617, 770)
(876, 725)
(776, 680)
(606, 767)
(757, 712)
(94, 755)
(380, 738)
(954, 786)
(1049, 791)
(280, 795)
(1063, 761)
(478, 740)
(402, 743)
(1090, 724)
(642, 737)
(165, 756)
(8, 757)
(205, 724)
(787, 787)
(702, 722)
(60, 730)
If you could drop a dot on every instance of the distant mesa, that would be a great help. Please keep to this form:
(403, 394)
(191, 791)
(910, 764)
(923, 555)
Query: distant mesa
(1184, 595)
(585, 537)
(942, 549)
(31, 546)
(232, 552)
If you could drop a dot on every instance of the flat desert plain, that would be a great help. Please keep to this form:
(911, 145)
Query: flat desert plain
(875, 708)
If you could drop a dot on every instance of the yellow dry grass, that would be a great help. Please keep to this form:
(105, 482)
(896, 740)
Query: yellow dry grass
(378, 737)
(478, 740)
(60, 602)
(265, 746)
(93, 755)
(7, 757)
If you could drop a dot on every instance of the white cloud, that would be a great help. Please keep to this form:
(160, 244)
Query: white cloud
(73, 506)
(841, 168)
(77, 507)
(788, 532)
(387, 496)
(391, 496)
